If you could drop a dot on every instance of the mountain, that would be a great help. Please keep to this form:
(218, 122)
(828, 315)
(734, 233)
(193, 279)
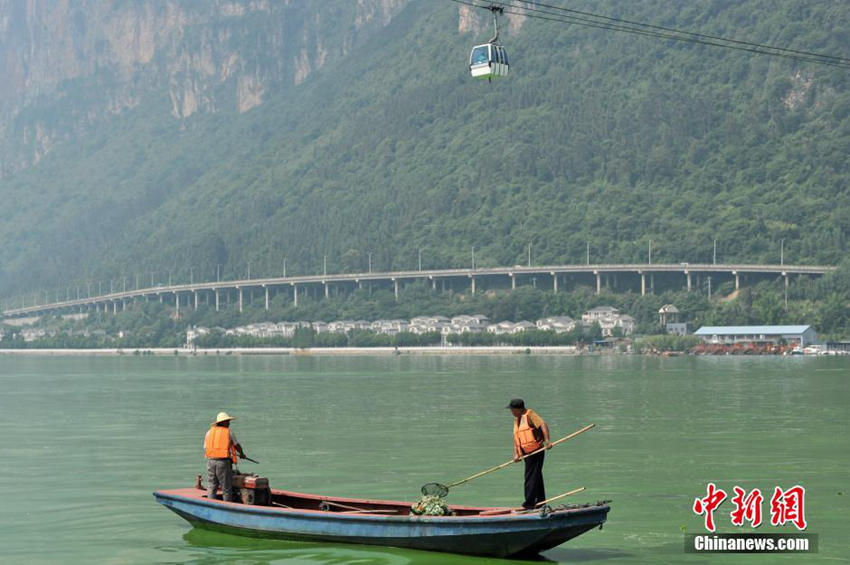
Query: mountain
(142, 139)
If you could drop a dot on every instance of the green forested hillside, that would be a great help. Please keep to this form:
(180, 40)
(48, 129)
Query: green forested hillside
(596, 137)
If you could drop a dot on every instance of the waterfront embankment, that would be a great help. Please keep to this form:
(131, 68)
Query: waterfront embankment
(420, 350)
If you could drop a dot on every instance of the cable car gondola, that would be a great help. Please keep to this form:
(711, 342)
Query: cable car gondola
(489, 60)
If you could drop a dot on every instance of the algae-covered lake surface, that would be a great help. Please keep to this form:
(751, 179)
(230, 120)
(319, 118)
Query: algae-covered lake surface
(87, 440)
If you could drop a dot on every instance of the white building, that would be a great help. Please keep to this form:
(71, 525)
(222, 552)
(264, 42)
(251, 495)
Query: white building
(390, 327)
(504, 327)
(341, 326)
(522, 326)
(608, 318)
(668, 314)
(32, 334)
(801, 335)
(626, 323)
(194, 333)
(559, 324)
(286, 329)
(472, 324)
(600, 314)
(428, 324)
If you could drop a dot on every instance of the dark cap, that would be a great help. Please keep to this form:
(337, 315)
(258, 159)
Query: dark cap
(516, 403)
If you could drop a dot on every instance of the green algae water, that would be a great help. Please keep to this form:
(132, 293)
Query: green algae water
(87, 439)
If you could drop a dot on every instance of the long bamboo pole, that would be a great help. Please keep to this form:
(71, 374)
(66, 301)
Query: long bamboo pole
(506, 463)
(538, 505)
(560, 496)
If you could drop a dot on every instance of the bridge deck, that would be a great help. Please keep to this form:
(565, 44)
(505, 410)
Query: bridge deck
(392, 276)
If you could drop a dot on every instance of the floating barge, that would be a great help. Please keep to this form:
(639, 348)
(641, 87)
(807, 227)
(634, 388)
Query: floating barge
(489, 531)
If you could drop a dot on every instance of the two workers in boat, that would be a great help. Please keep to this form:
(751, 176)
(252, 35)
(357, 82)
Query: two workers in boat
(221, 449)
(530, 434)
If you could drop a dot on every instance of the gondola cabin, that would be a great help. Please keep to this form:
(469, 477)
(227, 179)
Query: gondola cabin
(488, 61)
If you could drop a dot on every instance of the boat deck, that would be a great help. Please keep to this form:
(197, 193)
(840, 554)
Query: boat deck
(282, 500)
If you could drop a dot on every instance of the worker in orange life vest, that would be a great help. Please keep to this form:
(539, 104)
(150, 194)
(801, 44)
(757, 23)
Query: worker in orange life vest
(221, 448)
(530, 434)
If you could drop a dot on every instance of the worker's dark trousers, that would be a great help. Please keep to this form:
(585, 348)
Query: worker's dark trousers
(220, 473)
(534, 490)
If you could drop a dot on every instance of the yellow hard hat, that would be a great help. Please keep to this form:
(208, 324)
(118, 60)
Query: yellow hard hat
(223, 417)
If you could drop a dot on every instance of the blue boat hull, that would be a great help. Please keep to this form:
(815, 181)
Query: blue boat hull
(496, 535)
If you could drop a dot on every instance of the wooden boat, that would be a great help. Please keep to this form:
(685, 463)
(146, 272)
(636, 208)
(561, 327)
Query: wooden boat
(499, 532)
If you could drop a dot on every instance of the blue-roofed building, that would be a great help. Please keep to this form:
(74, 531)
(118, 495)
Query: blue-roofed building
(801, 335)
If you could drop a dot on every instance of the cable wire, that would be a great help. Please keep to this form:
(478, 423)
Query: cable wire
(685, 32)
(565, 16)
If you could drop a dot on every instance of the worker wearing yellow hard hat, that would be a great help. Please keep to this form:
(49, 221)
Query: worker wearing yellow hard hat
(221, 448)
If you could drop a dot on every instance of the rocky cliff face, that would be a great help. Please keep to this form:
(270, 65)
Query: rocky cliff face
(65, 64)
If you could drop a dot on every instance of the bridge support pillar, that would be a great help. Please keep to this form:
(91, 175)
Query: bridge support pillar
(294, 294)
(433, 284)
(123, 305)
(555, 283)
(160, 299)
(395, 288)
(598, 282)
(688, 275)
(472, 285)
(195, 293)
(267, 298)
(217, 300)
(643, 284)
(513, 281)
(114, 307)
(737, 280)
(786, 290)
(327, 289)
(240, 299)
(176, 304)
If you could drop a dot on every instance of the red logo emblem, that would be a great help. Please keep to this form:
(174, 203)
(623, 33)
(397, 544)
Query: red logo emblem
(747, 507)
(788, 506)
(714, 498)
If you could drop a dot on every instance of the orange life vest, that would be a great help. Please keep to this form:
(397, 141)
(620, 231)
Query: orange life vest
(217, 444)
(524, 435)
